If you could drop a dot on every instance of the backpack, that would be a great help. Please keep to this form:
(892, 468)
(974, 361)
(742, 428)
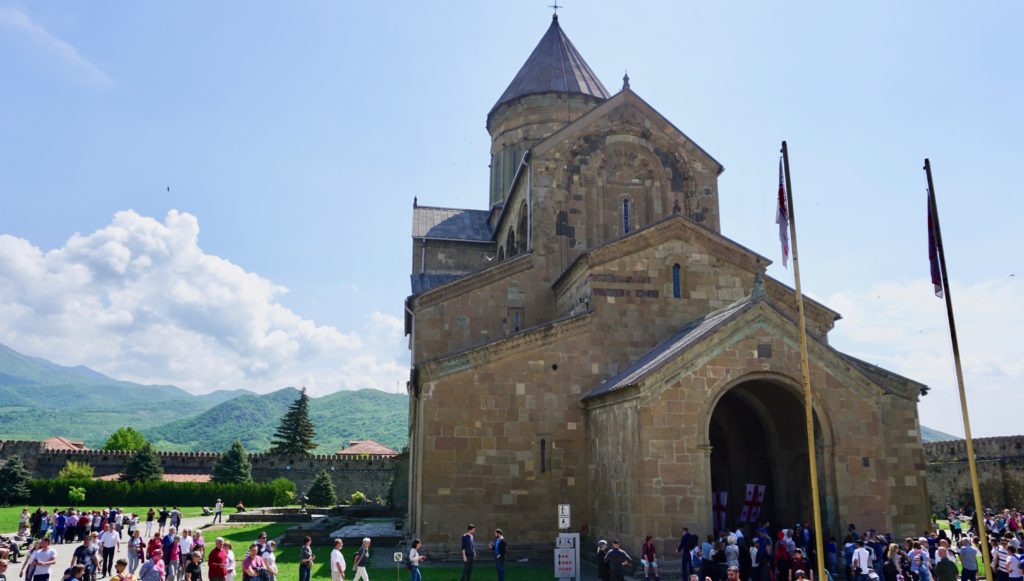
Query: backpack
(695, 560)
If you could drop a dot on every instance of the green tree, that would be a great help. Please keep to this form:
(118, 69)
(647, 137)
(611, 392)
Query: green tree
(233, 467)
(321, 491)
(14, 481)
(296, 432)
(143, 466)
(75, 471)
(127, 438)
(76, 494)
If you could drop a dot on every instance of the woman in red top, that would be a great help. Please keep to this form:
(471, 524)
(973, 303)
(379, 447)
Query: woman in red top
(153, 545)
(649, 558)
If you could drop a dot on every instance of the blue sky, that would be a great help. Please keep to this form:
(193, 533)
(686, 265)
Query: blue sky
(293, 137)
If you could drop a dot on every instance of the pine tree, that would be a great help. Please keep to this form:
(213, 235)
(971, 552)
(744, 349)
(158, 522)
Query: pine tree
(296, 432)
(143, 466)
(321, 491)
(14, 481)
(233, 467)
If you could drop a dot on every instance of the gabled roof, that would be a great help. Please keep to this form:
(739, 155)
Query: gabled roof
(609, 105)
(360, 447)
(700, 329)
(450, 224)
(656, 358)
(62, 443)
(425, 281)
(555, 66)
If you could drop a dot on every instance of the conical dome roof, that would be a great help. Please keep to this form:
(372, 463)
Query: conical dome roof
(555, 66)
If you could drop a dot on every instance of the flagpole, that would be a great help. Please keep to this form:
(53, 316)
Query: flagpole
(805, 369)
(978, 508)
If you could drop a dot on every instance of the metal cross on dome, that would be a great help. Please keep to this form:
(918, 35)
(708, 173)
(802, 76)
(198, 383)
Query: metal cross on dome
(556, 6)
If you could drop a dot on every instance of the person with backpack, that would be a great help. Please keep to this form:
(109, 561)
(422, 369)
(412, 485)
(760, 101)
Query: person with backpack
(686, 544)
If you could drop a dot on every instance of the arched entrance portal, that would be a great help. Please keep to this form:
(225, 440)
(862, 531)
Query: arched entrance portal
(758, 436)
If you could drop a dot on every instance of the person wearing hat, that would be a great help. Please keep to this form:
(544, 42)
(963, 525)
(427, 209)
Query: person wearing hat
(861, 561)
(153, 569)
(603, 571)
(618, 560)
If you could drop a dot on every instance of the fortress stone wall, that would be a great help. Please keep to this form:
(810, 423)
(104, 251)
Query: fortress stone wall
(370, 474)
(1000, 472)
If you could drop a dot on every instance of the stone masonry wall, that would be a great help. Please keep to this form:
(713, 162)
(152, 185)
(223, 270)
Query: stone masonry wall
(372, 475)
(1000, 473)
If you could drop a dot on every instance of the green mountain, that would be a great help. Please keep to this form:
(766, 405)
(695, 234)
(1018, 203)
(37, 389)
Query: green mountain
(36, 397)
(930, 435)
(252, 419)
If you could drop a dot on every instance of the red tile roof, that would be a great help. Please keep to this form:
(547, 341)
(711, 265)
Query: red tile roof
(360, 447)
(167, 477)
(61, 443)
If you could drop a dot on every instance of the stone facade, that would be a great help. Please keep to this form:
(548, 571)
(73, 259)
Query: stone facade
(372, 475)
(619, 354)
(1000, 473)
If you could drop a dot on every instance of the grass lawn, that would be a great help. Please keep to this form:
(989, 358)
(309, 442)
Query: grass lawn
(9, 514)
(288, 560)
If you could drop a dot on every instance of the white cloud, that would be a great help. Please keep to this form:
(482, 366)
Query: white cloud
(59, 48)
(902, 327)
(140, 300)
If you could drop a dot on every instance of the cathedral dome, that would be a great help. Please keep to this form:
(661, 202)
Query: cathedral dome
(555, 66)
(552, 89)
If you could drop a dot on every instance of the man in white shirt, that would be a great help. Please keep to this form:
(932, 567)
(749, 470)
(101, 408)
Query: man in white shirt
(217, 510)
(110, 543)
(337, 561)
(44, 558)
(186, 543)
(861, 561)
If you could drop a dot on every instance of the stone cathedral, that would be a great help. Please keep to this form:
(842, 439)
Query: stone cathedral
(592, 338)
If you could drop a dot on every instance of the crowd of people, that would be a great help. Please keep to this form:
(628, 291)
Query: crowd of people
(164, 553)
(769, 553)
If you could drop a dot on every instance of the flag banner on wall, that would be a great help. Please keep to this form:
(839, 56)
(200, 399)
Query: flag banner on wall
(719, 500)
(752, 502)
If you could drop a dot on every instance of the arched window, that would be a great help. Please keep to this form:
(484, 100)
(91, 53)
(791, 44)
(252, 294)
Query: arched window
(510, 243)
(543, 455)
(677, 287)
(625, 215)
(501, 254)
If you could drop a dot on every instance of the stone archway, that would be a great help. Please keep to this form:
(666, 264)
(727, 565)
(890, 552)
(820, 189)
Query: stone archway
(756, 433)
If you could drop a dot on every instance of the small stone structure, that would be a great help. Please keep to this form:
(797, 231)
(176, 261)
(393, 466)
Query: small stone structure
(1000, 472)
(370, 474)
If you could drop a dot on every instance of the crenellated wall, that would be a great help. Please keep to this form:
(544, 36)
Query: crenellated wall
(370, 474)
(1000, 472)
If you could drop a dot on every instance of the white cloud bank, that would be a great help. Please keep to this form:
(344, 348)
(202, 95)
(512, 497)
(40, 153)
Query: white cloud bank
(140, 300)
(902, 327)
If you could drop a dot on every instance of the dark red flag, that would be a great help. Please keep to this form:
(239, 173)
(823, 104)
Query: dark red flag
(933, 250)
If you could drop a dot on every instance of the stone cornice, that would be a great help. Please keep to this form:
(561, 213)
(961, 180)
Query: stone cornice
(473, 281)
(474, 357)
